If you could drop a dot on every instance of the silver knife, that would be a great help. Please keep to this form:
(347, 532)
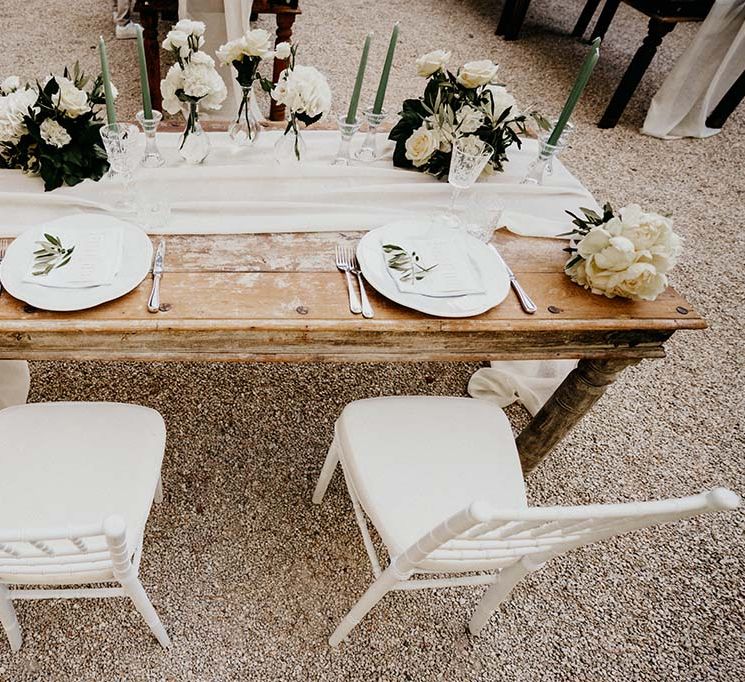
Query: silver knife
(525, 301)
(153, 303)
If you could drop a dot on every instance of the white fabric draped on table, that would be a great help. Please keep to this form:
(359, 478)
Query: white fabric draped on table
(701, 76)
(248, 192)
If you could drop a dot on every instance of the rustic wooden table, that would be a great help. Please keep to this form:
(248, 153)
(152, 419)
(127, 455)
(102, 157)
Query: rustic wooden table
(279, 298)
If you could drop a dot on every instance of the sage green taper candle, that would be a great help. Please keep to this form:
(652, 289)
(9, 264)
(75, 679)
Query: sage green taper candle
(110, 112)
(383, 85)
(147, 105)
(354, 102)
(579, 85)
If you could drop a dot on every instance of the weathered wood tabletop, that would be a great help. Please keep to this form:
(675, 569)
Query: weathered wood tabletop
(279, 297)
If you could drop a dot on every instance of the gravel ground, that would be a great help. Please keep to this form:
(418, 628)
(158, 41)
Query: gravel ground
(250, 578)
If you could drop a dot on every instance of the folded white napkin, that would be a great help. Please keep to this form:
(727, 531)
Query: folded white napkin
(455, 273)
(94, 262)
(527, 225)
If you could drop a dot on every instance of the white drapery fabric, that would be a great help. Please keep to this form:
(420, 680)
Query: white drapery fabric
(238, 193)
(225, 20)
(701, 76)
(14, 382)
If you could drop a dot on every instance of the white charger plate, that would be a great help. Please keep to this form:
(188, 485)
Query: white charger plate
(372, 262)
(137, 256)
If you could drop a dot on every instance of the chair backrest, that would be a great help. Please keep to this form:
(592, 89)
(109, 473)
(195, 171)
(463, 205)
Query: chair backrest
(64, 552)
(483, 537)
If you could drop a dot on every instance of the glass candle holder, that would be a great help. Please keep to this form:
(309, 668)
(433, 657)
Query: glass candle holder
(369, 150)
(543, 164)
(120, 142)
(152, 158)
(347, 130)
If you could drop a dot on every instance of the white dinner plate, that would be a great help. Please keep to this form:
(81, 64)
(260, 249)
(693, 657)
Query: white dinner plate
(372, 262)
(137, 256)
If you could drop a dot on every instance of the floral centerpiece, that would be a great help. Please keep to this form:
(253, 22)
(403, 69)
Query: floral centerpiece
(245, 54)
(627, 253)
(51, 129)
(305, 92)
(469, 103)
(191, 85)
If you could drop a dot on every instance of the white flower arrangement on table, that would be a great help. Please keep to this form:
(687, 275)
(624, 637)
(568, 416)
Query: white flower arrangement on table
(469, 103)
(627, 253)
(305, 92)
(245, 54)
(193, 80)
(52, 128)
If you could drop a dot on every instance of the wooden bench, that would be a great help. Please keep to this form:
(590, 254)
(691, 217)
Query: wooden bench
(152, 10)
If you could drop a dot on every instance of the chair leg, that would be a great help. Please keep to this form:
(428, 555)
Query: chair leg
(642, 59)
(372, 596)
(136, 592)
(588, 11)
(499, 591)
(9, 620)
(604, 20)
(504, 18)
(329, 466)
(512, 31)
(158, 497)
(728, 104)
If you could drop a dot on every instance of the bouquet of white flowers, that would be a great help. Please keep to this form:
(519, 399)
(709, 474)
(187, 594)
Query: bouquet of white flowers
(627, 254)
(467, 103)
(52, 129)
(192, 84)
(305, 92)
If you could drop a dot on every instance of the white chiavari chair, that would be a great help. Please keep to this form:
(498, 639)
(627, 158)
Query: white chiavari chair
(440, 480)
(76, 485)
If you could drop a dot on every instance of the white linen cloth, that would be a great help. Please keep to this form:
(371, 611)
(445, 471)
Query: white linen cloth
(701, 76)
(225, 20)
(14, 382)
(248, 192)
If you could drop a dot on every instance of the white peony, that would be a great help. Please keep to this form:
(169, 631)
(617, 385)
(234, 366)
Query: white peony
(421, 145)
(10, 84)
(70, 100)
(640, 282)
(469, 119)
(53, 133)
(432, 62)
(303, 90)
(474, 74)
(283, 50)
(496, 100)
(13, 108)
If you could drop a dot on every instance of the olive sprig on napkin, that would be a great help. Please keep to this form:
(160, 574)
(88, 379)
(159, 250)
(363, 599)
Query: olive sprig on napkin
(51, 254)
(407, 263)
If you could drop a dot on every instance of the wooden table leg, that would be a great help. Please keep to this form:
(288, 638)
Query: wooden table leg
(588, 11)
(520, 9)
(731, 99)
(284, 33)
(504, 18)
(604, 20)
(582, 388)
(642, 59)
(149, 21)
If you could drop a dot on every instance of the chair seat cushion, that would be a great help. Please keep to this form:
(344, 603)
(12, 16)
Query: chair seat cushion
(415, 461)
(77, 463)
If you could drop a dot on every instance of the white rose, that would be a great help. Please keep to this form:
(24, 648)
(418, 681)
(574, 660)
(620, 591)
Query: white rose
(258, 43)
(421, 145)
(70, 100)
(231, 51)
(53, 133)
(474, 74)
(432, 62)
(304, 89)
(469, 119)
(13, 108)
(283, 50)
(496, 100)
(10, 84)
(640, 282)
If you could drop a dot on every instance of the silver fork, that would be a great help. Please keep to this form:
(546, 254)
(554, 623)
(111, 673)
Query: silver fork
(367, 310)
(345, 265)
(3, 246)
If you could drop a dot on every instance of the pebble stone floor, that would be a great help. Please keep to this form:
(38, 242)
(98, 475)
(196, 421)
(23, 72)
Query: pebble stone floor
(250, 578)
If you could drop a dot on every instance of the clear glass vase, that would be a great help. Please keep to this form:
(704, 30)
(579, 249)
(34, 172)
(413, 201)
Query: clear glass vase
(245, 129)
(194, 144)
(290, 149)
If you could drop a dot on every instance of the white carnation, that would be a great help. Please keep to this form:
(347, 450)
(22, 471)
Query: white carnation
(283, 50)
(432, 62)
(10, 84)
(231, 51)
(173, 81)
(475, 74)
(197, 79)
(53, 133)
(13, 108)
(196, 28)
(303, 90)
(258, 43)
(185, 37)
